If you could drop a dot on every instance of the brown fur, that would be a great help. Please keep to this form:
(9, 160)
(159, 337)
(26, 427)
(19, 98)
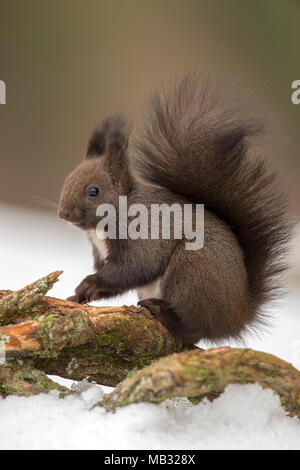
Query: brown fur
(194, 149)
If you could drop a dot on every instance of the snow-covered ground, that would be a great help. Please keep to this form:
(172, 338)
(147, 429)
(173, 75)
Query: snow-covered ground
(33, 243)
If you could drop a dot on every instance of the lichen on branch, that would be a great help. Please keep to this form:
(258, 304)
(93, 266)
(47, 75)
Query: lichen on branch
(206, 374)
(77, 341)
(15, 304)
(123, 346)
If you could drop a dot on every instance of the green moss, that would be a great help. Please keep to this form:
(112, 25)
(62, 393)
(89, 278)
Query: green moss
(132, 371)
(112, 339)
(269, 372)
(23, 380)
(160, 344)
(194, 401)
(4, 339)
(283, 400)
(200, 375)
(57, 332)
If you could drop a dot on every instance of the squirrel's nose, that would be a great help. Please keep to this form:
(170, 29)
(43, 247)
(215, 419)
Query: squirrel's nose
(64, 214)
(74, 214)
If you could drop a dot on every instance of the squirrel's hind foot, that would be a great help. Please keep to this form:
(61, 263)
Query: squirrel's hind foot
(168, 317)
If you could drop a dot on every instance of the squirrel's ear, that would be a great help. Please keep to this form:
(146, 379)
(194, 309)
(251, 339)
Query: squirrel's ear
(109, 138)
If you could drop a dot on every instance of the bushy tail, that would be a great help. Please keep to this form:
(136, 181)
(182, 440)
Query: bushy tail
(195, 142)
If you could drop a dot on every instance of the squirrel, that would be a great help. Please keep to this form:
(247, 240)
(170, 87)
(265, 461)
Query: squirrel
(193, 148)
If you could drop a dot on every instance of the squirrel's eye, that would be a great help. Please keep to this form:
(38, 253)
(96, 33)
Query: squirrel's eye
(93, 191)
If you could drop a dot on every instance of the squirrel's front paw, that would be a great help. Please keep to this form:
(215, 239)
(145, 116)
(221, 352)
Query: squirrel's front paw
(88, 290)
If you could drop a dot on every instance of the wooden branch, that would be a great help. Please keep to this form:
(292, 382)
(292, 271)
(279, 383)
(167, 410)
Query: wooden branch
(15, 304)
(22, 379)
(76, 341)
(110, 344)
(206, 374)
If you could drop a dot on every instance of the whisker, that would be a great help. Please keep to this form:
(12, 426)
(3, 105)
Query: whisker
(42, 202)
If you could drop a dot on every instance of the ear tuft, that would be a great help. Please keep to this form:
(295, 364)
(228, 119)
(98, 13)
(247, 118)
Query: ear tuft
(110, 137)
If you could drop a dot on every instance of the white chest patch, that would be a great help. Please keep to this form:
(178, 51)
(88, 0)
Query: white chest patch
(152, 290)
(99, 243)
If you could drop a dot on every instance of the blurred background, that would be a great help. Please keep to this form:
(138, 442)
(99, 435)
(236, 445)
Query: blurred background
(69, 63)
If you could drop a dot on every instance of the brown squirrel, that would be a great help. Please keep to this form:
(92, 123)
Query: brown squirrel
(193, 148)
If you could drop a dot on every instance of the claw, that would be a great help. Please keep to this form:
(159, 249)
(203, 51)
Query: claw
(87, 290)
(73, 298)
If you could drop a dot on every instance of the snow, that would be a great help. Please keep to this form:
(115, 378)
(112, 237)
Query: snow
(244, 417)
(34, 243)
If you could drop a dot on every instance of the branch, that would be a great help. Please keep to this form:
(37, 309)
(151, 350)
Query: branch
(15, 304)
(77, 341)
(206, 374)
(108, 344)
(23, 380)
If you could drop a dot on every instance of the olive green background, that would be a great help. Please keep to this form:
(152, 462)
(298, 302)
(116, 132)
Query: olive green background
(69, 63)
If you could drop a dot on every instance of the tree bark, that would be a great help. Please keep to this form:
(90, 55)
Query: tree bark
(13, 305)
(103, 344)
(206, 374)
(42, 335)
(22, 379)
